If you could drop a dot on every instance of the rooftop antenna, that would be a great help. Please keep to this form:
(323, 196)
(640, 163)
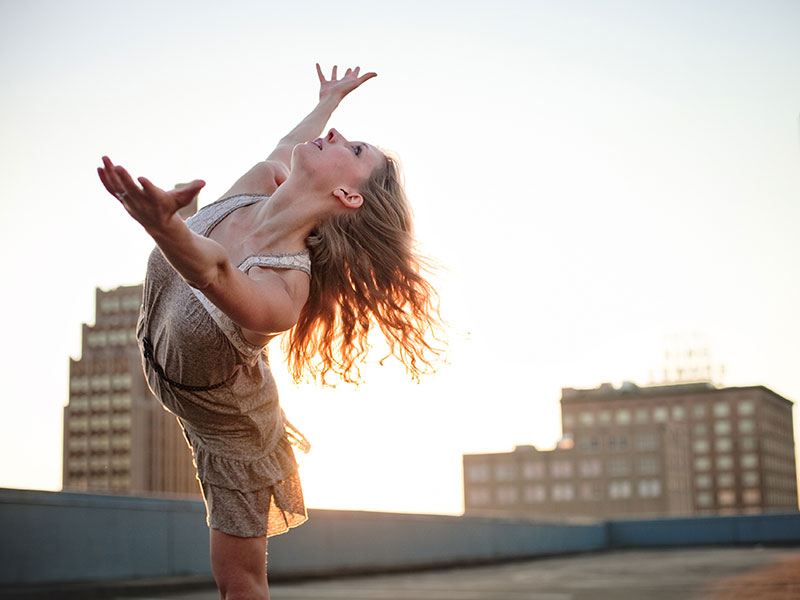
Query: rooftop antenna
(687, 359)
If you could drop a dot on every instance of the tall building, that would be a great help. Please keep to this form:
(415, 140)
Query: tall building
(648, 451)
(117, 436)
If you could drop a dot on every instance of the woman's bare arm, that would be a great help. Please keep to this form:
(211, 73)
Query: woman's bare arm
(263, 304)
(266, 176)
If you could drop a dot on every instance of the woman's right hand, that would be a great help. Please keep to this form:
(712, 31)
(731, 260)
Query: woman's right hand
(151, 206)
(337, 89)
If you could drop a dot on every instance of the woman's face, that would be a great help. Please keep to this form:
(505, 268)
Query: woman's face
(336, 162)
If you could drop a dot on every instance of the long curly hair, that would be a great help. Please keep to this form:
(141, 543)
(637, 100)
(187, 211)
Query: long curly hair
(365, 272)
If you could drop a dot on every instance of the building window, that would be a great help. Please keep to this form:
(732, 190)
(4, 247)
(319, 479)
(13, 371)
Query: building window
(619, 466)
(131, 303)
(701, 445)
(618, 442)
(702, 463)
(699, 411)
(79, 384)
(591, 491)
(726, 497)
(589, 444)
(506, 494)
(78, 444)
(724, 462)
(749, 461)
(647, 441)
(723, 444)
(704, 499)
(563, 492)
(747, 426)
(587, 419)
(678, 413)
(725, 480)
(478, 473)
(533, 470)
(604, 417)
(561, 468)
(478, 496)
(535, 494)
(746, 407)
(751, 496)
(619, 489)
(700, 429)
(660, 414)
(505, 472)
(121, 401)
(702, 481)
(721, 409)
(747, 444)
(569, 421)
(121, 442)
(649, 488)
(722, 427)
(591, 467)
(623, 416)
(642, 415)
(649, 465)
(750, 478)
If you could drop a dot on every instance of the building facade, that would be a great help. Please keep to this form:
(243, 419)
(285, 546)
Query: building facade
(117, 436)
(648, 451)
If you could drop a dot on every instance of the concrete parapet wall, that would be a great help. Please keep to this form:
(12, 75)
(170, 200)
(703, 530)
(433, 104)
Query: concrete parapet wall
(348, 541)
(699, 531)
(48, 537)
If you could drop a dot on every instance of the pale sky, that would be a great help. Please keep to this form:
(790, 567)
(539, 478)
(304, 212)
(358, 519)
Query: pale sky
(593, 177)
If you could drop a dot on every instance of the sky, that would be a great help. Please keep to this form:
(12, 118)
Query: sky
(595, 180)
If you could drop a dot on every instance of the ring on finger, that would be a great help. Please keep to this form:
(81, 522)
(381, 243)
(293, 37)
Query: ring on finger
(121, 195)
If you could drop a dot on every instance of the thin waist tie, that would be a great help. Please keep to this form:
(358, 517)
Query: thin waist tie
(147, 352)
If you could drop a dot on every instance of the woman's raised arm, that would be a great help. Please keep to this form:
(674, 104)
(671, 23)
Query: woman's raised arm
(264, 177)
(331, 92)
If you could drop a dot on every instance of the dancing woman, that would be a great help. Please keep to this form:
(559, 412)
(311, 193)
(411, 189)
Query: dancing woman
(315, 241)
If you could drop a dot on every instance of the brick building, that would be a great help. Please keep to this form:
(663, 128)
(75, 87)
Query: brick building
(648, 451)
(117, 437)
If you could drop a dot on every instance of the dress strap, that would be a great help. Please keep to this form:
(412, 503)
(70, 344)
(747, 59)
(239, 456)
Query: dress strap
(299, 261)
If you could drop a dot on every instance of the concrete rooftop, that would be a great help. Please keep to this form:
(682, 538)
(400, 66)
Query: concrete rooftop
(721, 573)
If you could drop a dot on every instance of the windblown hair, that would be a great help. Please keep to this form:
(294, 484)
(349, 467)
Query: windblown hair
(365, 271)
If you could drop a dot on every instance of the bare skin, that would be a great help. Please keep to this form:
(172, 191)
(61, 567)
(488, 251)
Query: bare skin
(308, 180)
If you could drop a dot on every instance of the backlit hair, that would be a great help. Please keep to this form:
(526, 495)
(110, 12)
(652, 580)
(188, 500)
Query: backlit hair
(365, 271)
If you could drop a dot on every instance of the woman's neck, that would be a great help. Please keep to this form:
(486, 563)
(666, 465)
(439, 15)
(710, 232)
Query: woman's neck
(286, 219)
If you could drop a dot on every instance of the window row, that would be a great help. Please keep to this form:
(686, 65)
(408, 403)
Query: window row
(728, 497)
(726, 480)
(725, 462)
(117, 463)
(111, 337)
(564, 492)
(657, 414)
(100, 383)
(99, 443)
(115, 304)
(723, 444)
(563, 469)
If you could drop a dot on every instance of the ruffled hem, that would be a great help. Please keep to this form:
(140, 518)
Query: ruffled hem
(246, 475)
(266, 512)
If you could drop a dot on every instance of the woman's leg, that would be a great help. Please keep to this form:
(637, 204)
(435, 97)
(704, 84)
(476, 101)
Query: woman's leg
(239, 566)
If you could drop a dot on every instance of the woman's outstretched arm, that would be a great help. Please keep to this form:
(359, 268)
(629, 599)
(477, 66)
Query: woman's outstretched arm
(264, 305)
(264, 177)
(331, 92)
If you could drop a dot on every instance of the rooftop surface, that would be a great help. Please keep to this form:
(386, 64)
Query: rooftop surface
(722, 573)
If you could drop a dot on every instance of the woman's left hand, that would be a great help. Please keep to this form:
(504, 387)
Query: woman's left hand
(151, 206)
(339, 88)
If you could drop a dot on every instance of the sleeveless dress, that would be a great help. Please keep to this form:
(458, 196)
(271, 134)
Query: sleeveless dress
(219, 386)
